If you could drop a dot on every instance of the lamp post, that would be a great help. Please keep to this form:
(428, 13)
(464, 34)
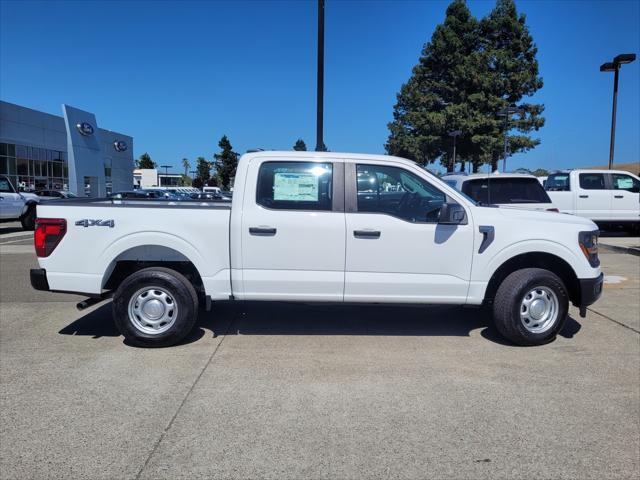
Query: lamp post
(454, 134)
(506, 113)
(166, 170)
(320, 92)
(615, 67)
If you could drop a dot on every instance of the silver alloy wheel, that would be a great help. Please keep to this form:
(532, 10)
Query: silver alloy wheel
(539, 309)
(152, 310)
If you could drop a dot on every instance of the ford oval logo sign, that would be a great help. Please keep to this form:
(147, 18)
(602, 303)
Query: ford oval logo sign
(85, 128)
(120, 146)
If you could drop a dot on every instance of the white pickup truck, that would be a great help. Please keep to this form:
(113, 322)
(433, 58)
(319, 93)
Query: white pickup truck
(608, 197)
(15, 205)
(319, 227)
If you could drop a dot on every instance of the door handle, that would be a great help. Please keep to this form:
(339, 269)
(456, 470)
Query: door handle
(618, 196)
(262, 231)
(584, 196)
(366, 233)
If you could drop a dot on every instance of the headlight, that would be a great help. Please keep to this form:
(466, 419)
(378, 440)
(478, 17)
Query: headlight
(588, 242)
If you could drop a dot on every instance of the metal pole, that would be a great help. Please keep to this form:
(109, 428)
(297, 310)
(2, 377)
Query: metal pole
(320, 102)
(453, 167)
(506, 124)
(613, 114)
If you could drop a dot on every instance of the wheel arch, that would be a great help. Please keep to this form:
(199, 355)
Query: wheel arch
(544, 260)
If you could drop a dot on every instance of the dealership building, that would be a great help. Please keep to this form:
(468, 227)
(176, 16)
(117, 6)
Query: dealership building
(40, 151)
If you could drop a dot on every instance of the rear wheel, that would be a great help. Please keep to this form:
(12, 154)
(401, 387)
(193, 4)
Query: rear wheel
(531, 306)
(155, 307)
(28, 220)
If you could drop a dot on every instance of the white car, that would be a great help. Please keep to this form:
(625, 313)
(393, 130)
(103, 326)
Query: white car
(513, 190)
(15, 205)
(608, 197)
(319, 227)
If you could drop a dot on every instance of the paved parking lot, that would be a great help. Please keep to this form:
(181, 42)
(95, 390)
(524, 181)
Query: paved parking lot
(295, 391)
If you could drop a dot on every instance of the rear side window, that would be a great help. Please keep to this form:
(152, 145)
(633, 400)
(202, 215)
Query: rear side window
(557, 182)
(295, 185)
(506, 190)
(592, 181)
(625, 182)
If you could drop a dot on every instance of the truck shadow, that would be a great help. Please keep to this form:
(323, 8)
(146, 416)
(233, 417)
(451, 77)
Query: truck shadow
(255, 318)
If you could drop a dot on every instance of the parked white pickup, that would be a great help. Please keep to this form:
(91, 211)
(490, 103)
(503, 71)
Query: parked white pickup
(319, 227)
(604, 196)
(15, 205)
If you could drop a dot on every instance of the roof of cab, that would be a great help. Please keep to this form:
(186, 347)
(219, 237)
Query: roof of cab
(327, 155)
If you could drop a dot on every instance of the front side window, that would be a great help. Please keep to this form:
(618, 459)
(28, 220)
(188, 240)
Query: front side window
(5, 186)
(592, 181)
(295, 185)
(397, 192)
(505, 191)
(625, 182)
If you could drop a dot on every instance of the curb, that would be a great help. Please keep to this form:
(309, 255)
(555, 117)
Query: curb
(615, 248)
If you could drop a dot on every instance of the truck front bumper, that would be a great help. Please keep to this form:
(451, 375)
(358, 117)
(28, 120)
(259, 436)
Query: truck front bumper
(590, 291)
(39, 279)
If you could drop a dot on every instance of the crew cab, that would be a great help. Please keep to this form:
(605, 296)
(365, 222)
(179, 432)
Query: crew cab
(608, 197)
(15, 205)
(510, 190)
(319, 227)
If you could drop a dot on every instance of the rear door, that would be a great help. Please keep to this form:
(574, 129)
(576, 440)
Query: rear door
(594, 199)
(626, 192)
(293, 231)
(396, 250)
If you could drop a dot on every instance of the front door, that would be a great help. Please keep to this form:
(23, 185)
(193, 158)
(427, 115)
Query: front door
(396, 250)
(10, 202)
(293, 232)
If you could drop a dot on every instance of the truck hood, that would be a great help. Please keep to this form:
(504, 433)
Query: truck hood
(550, 218)
(30, 196)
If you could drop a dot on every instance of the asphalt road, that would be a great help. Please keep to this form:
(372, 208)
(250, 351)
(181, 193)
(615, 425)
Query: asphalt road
(296, 391)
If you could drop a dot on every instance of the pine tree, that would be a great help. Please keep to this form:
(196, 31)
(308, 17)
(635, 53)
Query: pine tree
(510, 55)
(203, 169)
(300, 146)
(226, 162)
(145, 162)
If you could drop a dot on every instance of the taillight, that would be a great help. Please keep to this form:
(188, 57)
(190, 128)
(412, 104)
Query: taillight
(553, 210)
(49, 232)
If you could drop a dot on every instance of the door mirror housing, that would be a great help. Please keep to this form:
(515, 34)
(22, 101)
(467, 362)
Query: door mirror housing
(452, 213)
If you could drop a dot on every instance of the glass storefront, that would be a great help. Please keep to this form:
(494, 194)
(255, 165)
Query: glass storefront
(32, 168)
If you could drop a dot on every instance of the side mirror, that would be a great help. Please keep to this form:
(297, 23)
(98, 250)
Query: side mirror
(452, 213)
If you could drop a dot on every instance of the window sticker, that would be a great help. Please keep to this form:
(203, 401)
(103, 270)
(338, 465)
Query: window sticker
(624, 183)
(296, 187)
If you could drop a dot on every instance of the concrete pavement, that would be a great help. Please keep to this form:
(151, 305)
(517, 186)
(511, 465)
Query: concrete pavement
(297, 391)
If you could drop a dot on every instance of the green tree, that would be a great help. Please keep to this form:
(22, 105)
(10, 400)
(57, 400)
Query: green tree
(540, 172)
(466, 73)
(300, 146)
(510, 55)
(186, 165)
(145, 161)
(185, 180)
(203, 172)
(225, 162)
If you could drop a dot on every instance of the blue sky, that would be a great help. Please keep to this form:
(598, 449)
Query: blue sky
(178, 75)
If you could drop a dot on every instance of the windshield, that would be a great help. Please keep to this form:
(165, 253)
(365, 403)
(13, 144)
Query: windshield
(449, 184)
(558, 182)
(505, 190)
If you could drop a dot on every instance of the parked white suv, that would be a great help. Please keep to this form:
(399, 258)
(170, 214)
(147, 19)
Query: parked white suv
(513, 190)
(15, 205)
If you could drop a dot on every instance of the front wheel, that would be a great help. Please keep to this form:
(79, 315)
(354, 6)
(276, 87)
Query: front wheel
(28, 220)
(155, 307)
(531, 306)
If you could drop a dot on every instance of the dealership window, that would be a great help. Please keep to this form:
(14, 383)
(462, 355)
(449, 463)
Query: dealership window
(295, 185)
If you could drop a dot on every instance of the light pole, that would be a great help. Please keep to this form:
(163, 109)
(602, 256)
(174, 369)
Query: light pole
(454, 134)
(166, 170)
(320, 92)
(506, 113)
(615, 67)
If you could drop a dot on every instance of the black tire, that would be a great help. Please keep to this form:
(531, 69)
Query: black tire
(172, 285)
(508, 305)
(28, 220)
